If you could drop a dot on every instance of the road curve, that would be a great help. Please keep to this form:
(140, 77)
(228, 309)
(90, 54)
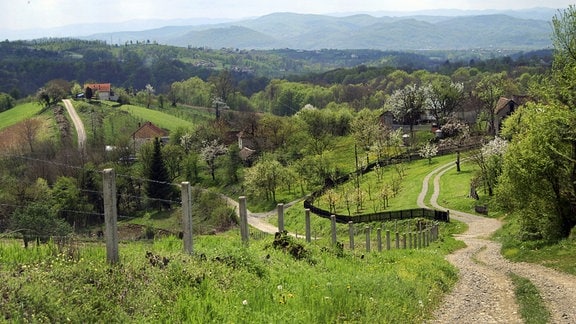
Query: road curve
(77, 124)
(484, 292)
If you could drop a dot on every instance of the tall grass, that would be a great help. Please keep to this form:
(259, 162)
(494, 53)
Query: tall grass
(224, 281)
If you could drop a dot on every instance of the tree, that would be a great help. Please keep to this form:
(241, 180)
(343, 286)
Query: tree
(444, 98)
(52, 92)
(158, 186)
(365, 129)
(28, 130)
(428, 151)
(265, 176)
(209, 152)
(6, 102)
(37, 221)
(149, 94)
(407, 104)
(490, 159)
(489, 89)
(69, 203)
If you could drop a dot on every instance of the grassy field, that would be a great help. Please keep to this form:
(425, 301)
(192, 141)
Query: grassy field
(18, 114)
(159, 118)
(223, 282)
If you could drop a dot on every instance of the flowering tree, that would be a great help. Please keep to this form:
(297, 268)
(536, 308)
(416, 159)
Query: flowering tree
(210, 151)
(428, 151)
(490, 158)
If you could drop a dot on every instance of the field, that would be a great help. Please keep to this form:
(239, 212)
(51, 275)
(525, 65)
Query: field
(18, 114)
(223, 282)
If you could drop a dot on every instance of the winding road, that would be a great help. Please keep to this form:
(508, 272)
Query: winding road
(77, 124)
(484, 292)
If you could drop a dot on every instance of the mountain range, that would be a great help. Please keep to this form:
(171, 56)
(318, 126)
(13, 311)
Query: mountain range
(431, 30)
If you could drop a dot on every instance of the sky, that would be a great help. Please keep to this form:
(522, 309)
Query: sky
(33, 14)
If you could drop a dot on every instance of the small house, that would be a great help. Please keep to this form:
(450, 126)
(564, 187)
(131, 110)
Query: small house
(504, 108)
(100, 91)
(148, 132)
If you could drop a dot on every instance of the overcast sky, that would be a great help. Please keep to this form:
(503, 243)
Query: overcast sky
(29, 14)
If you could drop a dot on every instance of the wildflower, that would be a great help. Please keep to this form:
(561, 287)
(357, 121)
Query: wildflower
(420, 303)
(244, 302)
(279, 287)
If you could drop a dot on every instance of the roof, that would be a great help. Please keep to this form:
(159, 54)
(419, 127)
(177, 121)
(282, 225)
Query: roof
(149, 130)
(102, 87)
(503, 103)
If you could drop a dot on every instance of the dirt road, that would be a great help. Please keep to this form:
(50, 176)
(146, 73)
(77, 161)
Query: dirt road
(78, 124)
(484, 292)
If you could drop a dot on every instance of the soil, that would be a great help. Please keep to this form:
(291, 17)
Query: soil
(484, 292)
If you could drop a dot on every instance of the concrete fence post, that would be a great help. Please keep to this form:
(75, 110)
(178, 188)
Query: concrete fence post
(379, 238)
(243, 211)
(351, 234)
(308, 230)
(280, 218)
(187, 217)
(110, 216)
(333, 228)
(367, 228)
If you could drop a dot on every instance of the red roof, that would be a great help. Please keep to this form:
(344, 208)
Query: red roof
(102, 87)
(149, 130)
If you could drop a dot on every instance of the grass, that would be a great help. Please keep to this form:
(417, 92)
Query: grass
(532, 307)
(19, 113)
(159, 118)
(224, 282)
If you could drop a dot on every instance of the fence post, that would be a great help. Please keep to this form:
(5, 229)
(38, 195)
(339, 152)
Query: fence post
(187, 217)
(351, 234)
(397, 240)
(387, 239)
(379, 238)
(308, 231)
(243, 219)
(333, 227)
(404, 241)
(280, 218)
(410, 240)
(367, 238)
(110, 216)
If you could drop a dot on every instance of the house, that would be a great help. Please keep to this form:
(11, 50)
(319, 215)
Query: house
(504, 108)
(101, 91)
(148, 132)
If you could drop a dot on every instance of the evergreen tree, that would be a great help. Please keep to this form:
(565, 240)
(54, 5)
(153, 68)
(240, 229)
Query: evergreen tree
(158, 187)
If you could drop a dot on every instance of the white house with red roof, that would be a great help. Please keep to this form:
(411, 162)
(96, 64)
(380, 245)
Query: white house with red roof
(101, 91)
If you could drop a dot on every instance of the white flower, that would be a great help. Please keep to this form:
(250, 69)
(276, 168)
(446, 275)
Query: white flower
(279, 287)
(244, 302)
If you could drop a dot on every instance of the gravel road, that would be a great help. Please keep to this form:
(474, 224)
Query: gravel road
(484, 292)
(77, 124)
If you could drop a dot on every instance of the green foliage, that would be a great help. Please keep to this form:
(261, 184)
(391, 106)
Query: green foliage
(37, 221)
(6, 102)
(158, 188)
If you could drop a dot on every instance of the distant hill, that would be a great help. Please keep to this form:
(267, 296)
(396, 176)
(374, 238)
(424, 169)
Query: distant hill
(524, 30)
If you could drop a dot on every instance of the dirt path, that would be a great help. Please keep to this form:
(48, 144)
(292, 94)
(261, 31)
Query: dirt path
(484, 292)
(77, 124)
(259, 220)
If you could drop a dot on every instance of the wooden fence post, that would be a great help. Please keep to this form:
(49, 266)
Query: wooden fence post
(351, 234)
(387, 239)
(187, 217)
(367, 228)
(404, 241)
(243, 219)
(397, 240)
(308, 230)
(379, 238)
(410, 240)
(110, 216)
(333, 227)
(280, 218)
